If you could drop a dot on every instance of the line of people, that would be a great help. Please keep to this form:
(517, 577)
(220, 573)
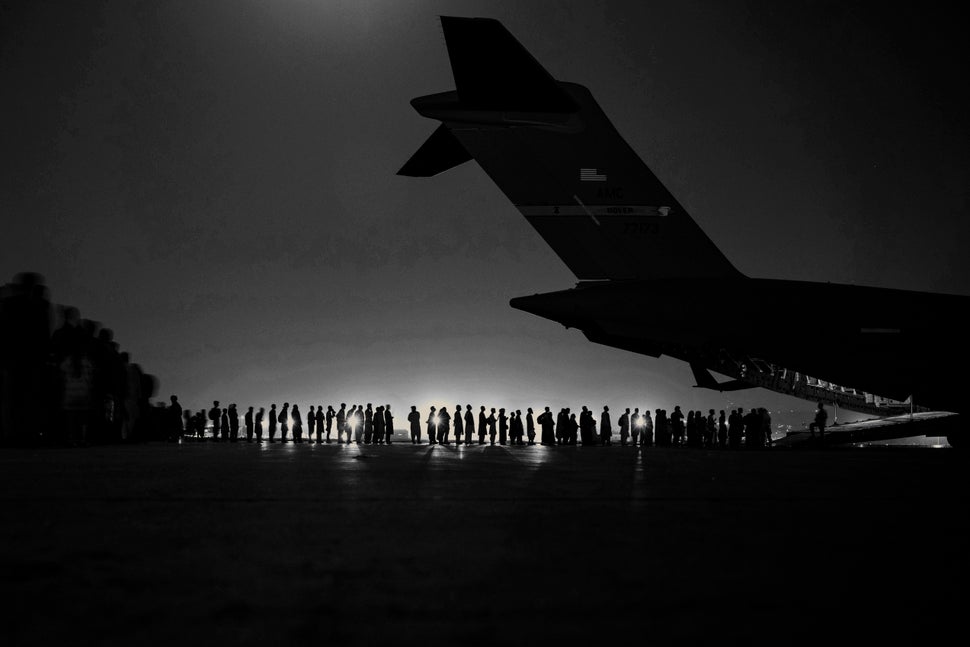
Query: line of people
(376, 426)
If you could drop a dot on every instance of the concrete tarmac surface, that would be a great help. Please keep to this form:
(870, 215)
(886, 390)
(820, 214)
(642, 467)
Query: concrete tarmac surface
(278, 544)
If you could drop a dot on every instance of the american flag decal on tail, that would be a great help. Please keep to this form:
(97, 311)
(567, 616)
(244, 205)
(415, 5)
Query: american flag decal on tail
(591, 175)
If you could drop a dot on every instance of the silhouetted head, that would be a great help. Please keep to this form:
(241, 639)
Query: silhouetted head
(468, 406)
(286, 404)
(72, 316)
(174, 399)
(483, 408)
(262, 409)
(433, 408)
(529, 409)
(342, 405)
(250, 409)
(493, 409)
(413, 408)
(677, 408)
(273, 406)
(606, 408)
(821, 405)
(628, 410)
(500, 410)
(215, 403)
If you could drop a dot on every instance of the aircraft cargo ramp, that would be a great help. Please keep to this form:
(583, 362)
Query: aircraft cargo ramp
(929, 423)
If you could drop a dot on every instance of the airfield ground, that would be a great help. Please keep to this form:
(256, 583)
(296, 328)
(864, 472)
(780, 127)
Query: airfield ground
(282, 544)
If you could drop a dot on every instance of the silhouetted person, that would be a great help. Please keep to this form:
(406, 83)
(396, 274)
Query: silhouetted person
(297, 424)
(415, 419)
(233, 423)
(503, 426)
(624, 426)
(482, 424)
(530, 426)
(444, 428)
(560, 425)
(722, 431)
(189, 423)
(200, 419)
(368, 424)
(677, 426)
(331, 414)
(215, 415)
(259, 424)
(388, 424)
(341, 421)
(752, 430)
(821, 418)
(224, 425)
(248, 421)
(272, 422)
(319, 419)
(351, 423)
(284, 419)
(519, 428)
(606, 427)
(490, 421)
(711, 436)
(572, 428)
(432, 426)
(545, 421)
(378, 437)
(459, 425)
(646, 436)
(311, 423)
(469, 424)
(635, 426)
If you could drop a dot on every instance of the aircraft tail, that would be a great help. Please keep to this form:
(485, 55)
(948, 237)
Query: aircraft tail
(554, 153)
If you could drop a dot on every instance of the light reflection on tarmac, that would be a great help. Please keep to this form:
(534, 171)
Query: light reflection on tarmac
(290, 543)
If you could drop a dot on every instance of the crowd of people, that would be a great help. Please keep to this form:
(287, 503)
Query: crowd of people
(71, 385)
(375, 426)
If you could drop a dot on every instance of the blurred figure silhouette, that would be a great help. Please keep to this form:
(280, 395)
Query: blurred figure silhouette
(248, 421)
(482, 424)
(646, 436)
(233, 423)
(818, 424)
(432, 426)
(378, 437)
(318, 419)
(560, 425)
(606, 427)
(459, 425)
(331, 414)
(624, 426)
(444, 426)
(491, 425)
(341, 421)
(415, 419)
(297, 424)
(545, 421)
(311, 423)
(722, 431)
(752, 430)
(284, 419)
(710, 437)
(519, 429)
(388, 424)
(573, 426)
(368, 424)
(215, 415)
(224, 425)
(635, 426)
(503, 426)
(530, 426)
(734, 429)
(272, 422)
(677, 426)
(469, 424)
(259, 424)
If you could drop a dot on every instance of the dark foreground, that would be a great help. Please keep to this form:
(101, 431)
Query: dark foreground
(280, 544)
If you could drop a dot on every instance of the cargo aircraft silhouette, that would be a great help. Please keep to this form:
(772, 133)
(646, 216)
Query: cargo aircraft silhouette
(648, 275)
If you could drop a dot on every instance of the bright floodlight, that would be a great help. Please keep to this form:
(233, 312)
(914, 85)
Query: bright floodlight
(436, 420)
(641, 423)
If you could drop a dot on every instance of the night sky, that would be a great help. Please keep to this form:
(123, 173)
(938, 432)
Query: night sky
(216, 182)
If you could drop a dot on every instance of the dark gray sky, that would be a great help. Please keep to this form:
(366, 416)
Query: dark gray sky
(216, 182)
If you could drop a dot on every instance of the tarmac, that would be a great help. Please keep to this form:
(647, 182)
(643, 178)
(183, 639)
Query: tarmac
(273, 544)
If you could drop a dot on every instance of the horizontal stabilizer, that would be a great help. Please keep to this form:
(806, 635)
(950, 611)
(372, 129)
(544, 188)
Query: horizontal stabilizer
(440, 153)
(493, 71)
(706, 381)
